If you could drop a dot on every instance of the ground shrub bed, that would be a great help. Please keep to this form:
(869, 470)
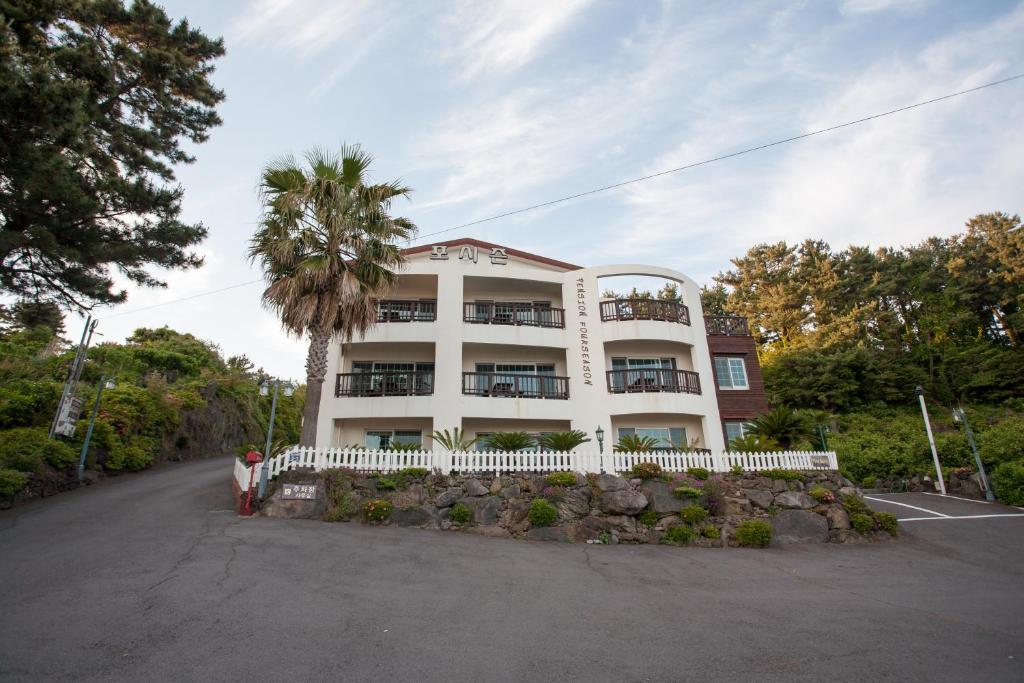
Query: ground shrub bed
(755, 533)
(542, 513)
(461, 514)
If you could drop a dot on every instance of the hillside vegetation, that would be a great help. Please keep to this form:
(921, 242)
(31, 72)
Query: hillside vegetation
(175, 398)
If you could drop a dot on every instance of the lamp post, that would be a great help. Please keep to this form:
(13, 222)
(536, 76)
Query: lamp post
(599, 433)
(931, 439)
(289, 389)
(104, 384)
(960, 416)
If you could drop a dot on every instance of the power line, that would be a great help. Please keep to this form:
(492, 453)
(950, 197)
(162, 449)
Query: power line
(605, 188)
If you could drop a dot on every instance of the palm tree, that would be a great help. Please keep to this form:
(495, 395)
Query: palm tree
(326, 242)
(509, 442)
(782, 424)
(631, 443)
(563, 442)
(454, 440)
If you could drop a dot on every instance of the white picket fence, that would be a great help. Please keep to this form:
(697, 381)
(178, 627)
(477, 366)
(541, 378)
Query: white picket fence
(494, 462)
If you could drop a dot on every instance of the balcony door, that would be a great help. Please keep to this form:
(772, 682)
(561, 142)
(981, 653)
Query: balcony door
(390, 378)
(523, 379)
(641, 372)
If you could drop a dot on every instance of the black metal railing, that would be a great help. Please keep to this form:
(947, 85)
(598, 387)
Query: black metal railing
(405, 311)
(513, 313)
(503, 384)
(653, 380)
(385, 383)
(728, 325)
(645, 309)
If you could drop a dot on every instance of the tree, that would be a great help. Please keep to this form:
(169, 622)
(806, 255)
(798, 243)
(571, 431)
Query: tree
(94, 100)
(782, 425)
(454, 440)
(563, 442)
(327, 246)
(631, 443)
(510, 442)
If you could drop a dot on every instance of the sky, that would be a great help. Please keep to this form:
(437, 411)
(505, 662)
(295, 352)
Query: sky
(485, 107)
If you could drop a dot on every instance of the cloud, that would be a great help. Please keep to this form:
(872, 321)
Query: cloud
(304, 27)
(855, 7)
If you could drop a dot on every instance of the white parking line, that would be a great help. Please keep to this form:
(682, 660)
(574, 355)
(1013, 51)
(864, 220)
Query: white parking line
(922, 519)
(912, 507)
(970, 500)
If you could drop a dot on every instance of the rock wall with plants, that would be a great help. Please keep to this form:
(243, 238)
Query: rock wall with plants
(649, 506)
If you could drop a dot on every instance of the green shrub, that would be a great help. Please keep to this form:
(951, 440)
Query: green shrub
(887, 522)
(338, 513)
(821, 494)
(561, 479)
(686, 492)
(710, 531)
(28, 449)
(755, 533)
(869, 481)
(781, 473)
(646, 470)
(11, 481)
(701, 473)
(135, 455)
(648, 517)
(386, 484)
(542, 513)
(377, 510)
(855, 505)
(1008, 482)
(713, 496)
(862, 523)
(693, 514)
(680, 534)
(413, 472)
(736, 469)
(460, 514)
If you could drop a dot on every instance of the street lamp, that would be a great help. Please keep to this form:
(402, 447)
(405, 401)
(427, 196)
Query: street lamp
(599, 433)
(960, 416)
(105, 383)
(279, 386)
(931, 439)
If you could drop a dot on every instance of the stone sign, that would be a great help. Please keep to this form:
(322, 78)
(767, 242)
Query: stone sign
(819, 461)
(300, 491)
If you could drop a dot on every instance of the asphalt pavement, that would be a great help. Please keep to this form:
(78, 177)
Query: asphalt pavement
(153, 577)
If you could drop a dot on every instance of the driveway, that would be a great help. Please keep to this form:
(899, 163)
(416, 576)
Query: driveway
(153, 577)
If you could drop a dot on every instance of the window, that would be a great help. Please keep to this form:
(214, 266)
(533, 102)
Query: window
(641, 372)
(732, 372)
(668, 438)
(391, 378)
(382, 440)
(735, 430)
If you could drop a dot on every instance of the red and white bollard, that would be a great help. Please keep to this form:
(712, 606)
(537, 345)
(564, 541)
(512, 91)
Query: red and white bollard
(253, 458)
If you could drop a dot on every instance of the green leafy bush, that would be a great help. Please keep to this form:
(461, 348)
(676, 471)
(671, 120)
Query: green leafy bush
(701, 473)
(377, 510)
(781, 473)
(862, 523)
(648, 517)
(713, 496)
(413, 472)
(693, 514)
(755, 533)
(561, 479)
(686, 492)
(869, 482)
(855, 505)
(710, 531)
(736, 469)
(136, 454)
(542, 513)
(646, 470)
(386, 484)
(11, 481)
(1008, 482)
(460, 514)
(887, 522)
(28, 449)
(680, 534)
(821, 494)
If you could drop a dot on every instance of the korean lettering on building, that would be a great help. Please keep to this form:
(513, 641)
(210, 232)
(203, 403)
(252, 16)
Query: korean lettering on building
(469, 253)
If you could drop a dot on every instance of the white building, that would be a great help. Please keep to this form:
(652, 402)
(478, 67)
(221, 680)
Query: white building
(489, 339)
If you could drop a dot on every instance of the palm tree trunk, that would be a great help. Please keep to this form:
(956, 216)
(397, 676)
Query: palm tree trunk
(316, 370)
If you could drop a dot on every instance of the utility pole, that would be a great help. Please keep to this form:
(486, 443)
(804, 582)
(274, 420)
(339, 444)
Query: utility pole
(105, 383)
(931, 440)
(74, 375)
(960, 416)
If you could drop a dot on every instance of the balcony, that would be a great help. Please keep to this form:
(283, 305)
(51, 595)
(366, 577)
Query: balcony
(505, 385)
(385, 383)
(404, 311)
(653, 380)
(645, 309)
(727, 325)
(513, 313)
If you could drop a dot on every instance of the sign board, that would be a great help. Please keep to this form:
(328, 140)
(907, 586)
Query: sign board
(294, 457)
(819, 461)
(69, 413)
(300, 491)
(469, 254)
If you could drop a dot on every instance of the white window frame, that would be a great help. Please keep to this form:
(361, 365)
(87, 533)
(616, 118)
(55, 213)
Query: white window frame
(727, 375)
(685, 443)
(744, 429)
(393, 436)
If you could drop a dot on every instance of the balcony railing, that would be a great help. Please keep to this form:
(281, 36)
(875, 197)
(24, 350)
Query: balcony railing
(645, 309)
(729, 325)
(385, 383)
(642, 380)
(513, 313)
(502, 384)
(399, 311)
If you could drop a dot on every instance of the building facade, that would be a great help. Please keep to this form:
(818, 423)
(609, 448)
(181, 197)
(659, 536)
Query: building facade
(491, 339)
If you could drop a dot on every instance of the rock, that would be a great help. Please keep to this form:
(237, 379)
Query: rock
(837, 517)
(576, 504)
(408, 498)
(412, 516)
(660, 497)
(794, 499)
(737, 506)
(635, 481)
(488, 512)
(848, 491)
(511, 491)
(592, 526)
(295, 509)
(623, 502)
(609, 482)
(491, 531)
(448, 498)
(518, 509)
(547, 533)
(495, 487)
(779, 485)
(760, 498)
(843, 481)
(621, 524)
(799, 526)
(796, 485)
(475, 488)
